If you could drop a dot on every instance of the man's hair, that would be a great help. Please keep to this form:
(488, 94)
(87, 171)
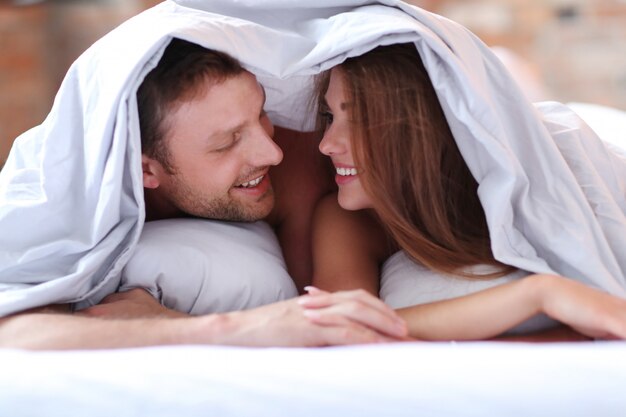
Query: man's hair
(183, 72)
(413, 171)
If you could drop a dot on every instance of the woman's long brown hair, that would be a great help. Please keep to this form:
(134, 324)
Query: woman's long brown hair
(413, 171)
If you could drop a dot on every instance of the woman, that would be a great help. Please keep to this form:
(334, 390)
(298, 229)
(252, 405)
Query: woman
(399, 170)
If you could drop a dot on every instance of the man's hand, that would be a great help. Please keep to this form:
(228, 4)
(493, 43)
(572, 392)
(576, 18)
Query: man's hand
(135, 319)
(320, 319)
(133, 304)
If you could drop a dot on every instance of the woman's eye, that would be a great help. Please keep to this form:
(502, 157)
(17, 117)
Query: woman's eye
(327, 117)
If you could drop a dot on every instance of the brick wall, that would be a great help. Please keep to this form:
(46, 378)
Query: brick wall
(38, 44)
(576, 47)
(24, 86)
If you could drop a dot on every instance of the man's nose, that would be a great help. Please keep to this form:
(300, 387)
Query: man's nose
(266, 151)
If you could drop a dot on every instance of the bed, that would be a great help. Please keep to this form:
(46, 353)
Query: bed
(409, 379)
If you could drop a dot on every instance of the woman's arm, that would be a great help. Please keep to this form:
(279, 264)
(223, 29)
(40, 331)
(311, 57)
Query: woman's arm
(279, 324)
(348, 248)
(490, 312)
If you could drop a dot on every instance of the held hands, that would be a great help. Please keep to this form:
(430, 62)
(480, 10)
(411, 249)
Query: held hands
(317, 319)
(358, 307)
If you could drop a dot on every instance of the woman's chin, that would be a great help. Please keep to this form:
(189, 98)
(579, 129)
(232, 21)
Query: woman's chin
(352, 203)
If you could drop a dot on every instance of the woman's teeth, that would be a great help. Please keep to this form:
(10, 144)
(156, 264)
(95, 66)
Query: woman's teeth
(252, 183)
(345, 172)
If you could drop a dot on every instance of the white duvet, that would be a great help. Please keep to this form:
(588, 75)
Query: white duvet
(71, 201)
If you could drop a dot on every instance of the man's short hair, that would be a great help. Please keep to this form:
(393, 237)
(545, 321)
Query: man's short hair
(184, 69)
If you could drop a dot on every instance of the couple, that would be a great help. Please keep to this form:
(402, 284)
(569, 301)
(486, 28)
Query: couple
(408, 204)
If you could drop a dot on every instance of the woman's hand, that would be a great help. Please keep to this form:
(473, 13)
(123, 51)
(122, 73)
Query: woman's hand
(359, 306)
(587, 310)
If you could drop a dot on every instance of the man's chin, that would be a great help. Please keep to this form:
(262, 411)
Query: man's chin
(260, 214)
(253, 214)
(259, 210)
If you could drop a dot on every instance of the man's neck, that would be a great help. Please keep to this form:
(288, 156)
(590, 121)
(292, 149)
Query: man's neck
(159, 208)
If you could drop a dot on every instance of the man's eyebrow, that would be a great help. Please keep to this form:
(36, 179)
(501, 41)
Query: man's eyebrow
(231, 130)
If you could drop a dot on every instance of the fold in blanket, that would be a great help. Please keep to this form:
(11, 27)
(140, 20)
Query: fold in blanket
(71, 196)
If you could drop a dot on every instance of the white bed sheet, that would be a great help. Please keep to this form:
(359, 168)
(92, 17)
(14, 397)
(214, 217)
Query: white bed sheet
(411, 379)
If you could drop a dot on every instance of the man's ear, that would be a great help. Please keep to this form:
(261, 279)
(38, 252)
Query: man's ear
(151, 169)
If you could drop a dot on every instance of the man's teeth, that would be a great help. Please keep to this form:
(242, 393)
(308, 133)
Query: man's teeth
(252, 183)
(345, 172)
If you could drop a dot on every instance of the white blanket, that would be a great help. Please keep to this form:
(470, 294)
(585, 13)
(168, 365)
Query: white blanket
(71, 201)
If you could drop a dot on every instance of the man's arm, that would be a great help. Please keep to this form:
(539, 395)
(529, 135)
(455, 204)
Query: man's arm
(279, 324)
(60, 331)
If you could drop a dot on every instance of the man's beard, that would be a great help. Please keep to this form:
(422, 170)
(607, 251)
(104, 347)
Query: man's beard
(222, 207)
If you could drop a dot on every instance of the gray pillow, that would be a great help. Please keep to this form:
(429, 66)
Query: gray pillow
(199, 266)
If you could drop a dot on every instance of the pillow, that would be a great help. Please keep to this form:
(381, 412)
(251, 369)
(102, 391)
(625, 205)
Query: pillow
(404, 283)
(609, 123)
(199, 266)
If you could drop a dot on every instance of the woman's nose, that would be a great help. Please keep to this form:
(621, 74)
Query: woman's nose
(329, 144)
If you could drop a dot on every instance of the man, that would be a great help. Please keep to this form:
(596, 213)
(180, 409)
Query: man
(207, 150)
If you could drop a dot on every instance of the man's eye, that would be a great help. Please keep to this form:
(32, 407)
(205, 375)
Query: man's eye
(225, 148)
(235, 138)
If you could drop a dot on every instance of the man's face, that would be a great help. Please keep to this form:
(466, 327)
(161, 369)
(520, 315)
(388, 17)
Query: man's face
(220, 146)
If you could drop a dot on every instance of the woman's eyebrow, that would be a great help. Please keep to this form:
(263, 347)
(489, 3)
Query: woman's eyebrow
(264, 93)
(342, 106)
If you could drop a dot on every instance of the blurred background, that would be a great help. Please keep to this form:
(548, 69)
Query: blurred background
(567, 50)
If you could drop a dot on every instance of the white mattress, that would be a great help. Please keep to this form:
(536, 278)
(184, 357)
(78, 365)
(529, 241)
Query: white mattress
(413, 379)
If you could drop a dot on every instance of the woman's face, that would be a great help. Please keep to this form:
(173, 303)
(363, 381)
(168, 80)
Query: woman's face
(336, 143)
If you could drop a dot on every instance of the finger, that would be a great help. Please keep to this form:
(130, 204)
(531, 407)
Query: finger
(364, 297)
(314, 290)
(327, 299)
(363, 315)
(383, 320)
